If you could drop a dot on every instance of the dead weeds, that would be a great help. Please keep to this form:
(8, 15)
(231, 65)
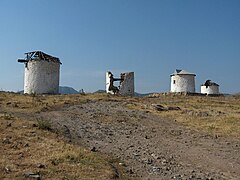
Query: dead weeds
(30, 148)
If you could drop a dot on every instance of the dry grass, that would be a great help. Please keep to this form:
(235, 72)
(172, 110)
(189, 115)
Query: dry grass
(218, 115)
(28, 148)
(214, 115)
(11, 102)
(25, 148)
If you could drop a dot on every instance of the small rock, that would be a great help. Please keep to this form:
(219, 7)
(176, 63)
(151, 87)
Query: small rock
(168, 168)
(15, 105)
(178, 177)
(32, 175)
(147, 161)
(164, 162)
(131, 171)
(192, 177)
(9, 124)
(21, 156)
(156, 169)
(40, 165)
(26, 145)
(6, 141)
(121, 164)
(93, 149)
(55, 162)
(202, 114)
(7, 169)
(136, 154)
(211, 178)
(159, 107)
(155, 156)
(171, 108)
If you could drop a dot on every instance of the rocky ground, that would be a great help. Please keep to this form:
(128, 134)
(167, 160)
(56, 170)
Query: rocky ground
(147, 146)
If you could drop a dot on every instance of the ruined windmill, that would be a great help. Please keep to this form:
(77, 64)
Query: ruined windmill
(126, 84)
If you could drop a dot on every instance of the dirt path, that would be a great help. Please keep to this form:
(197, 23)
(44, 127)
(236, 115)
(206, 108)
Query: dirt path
(148, 146)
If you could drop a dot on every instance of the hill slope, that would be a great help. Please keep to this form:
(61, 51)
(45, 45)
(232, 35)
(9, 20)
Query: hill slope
(160, 137)
(67, 90)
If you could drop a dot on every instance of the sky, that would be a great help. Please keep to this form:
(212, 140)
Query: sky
(150, 37)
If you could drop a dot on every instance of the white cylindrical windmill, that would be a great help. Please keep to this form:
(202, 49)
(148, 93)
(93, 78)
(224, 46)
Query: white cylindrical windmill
(182, 81)
(210, 87)
(41, 73)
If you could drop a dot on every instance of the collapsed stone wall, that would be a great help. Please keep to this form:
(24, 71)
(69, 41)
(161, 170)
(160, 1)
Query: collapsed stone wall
(126, 84)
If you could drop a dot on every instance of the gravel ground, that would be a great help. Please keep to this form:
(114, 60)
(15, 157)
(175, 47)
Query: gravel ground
(147, 146)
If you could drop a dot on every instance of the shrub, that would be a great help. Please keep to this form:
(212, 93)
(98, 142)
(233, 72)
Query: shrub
(44, 124)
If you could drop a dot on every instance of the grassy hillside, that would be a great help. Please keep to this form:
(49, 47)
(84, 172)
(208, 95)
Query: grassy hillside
(30, 147)
(214, 115)
(26, 150)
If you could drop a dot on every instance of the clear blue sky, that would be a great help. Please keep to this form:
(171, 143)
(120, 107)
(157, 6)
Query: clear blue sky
(150, 37)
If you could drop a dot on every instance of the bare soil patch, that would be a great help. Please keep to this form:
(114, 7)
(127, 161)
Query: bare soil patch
(147, 145)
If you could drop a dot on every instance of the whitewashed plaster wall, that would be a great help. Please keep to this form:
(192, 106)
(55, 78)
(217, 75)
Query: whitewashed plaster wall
(213, 89)
(42, 77)
(183, 83)
(108, 82)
